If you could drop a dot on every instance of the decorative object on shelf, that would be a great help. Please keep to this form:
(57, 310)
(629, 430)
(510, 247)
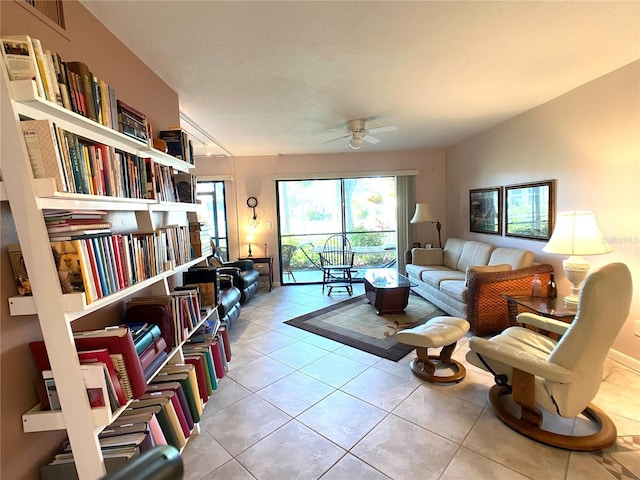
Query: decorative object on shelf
(529, 210)
(250, 239)
(423, 215)
(485, 210)
(576, 234)
(252, 203)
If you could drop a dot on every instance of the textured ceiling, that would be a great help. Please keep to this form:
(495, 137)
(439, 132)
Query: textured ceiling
(270, 77)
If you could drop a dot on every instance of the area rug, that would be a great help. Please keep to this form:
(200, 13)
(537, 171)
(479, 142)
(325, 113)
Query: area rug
(354, 322)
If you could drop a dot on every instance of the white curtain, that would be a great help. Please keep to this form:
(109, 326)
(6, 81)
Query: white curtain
(406, 195)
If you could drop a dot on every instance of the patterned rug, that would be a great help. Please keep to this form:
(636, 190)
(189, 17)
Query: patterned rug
(354, 322)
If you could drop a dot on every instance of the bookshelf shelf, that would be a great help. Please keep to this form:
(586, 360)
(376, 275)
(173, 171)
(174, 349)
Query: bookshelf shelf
(38, 420)
(75, 304)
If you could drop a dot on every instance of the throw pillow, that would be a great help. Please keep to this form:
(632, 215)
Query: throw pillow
(502, 267)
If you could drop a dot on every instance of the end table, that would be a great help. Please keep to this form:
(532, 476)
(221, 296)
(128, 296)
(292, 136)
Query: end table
(264, 265)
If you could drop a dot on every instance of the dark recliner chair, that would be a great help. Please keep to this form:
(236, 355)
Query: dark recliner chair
(228, 300)
(245, 276)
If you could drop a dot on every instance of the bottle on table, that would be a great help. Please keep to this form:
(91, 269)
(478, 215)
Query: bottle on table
(536, 286)
(552, 290)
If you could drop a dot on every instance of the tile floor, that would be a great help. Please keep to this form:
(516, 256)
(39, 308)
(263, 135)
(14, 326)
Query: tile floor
(298, 406)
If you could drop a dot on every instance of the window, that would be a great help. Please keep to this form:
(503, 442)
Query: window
(363, 209)
(212, 213)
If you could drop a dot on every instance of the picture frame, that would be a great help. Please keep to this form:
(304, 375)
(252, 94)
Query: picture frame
(530, 210)
(485, 210)
(19, 270)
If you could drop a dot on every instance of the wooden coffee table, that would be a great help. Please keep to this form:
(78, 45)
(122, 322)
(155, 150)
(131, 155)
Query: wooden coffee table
(387, 290)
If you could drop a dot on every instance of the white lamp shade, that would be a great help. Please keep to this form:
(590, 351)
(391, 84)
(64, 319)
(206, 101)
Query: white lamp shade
(577, 234)
(422, 214)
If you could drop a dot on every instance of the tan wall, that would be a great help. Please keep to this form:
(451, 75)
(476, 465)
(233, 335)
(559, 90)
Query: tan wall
(589, 141)
(87, 40)
(254, 176)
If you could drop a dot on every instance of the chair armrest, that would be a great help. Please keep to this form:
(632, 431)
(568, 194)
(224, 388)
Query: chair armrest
(226, 281)
(487, 310)
(544, 323)
(521, 360)
(243, 265)
(427, 256)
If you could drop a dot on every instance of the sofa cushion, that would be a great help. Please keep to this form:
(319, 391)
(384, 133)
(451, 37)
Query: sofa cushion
(455, 288)
(416, 270)
(426, 256)
(474, 253)
(434, 277)
(515, 257)
(503, 267)
(452, 251)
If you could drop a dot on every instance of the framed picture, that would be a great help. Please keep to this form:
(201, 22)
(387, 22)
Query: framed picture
(19, 269)
(529, 210)
(485, 210)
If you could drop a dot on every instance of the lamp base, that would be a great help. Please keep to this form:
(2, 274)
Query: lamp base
(576, 269)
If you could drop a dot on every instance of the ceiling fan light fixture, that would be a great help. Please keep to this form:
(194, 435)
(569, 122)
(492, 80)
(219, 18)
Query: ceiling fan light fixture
(355, 143)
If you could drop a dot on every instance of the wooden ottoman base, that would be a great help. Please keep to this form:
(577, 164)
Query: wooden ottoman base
(423, 367)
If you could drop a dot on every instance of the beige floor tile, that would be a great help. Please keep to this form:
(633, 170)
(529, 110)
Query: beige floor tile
(202, 455)
(298, 354)
(491, 438)
(259, 373)
(325, 343)
(231, 470)
(629, 460)
(439, 413)
(473, 388)
(244, 330)
(294, 451)
(403, 451)
(242, 424)
(619, 400)
(228, 393)
(357, 355)
(270, 342)
(242, 353)
(381, 389)
(469, 465)
(587, 466)
(342, 418)
(295, 393)
(334, 370)
(293, 332)
(352, 468)
(400, 368)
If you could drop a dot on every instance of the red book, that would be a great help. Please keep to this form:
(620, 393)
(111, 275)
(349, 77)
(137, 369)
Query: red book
(225, 340)
(217, 360)
(101, 355)
(197, 361)
(152, 352)
(117, 340)
(94, 269)
(177, 388)
(177, 406)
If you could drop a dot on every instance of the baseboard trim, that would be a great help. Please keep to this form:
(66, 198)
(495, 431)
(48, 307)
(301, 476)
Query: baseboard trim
(624, 359)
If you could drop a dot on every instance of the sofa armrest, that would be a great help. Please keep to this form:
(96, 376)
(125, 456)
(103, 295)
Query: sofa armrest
(244, 265)
(487, 310)
(426, 256)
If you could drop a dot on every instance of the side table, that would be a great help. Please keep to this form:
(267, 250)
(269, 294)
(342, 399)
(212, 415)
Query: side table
(264, 265)
(547, 307)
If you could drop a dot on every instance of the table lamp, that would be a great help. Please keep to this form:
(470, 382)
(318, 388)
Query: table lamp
(250, 239)
(423, 215)
(576, 234)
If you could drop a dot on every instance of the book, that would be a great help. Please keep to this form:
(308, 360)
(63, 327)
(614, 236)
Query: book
(155, 365)
(20, 60)
(177, 406)
(43, 68)
(85, 86)
(101, 355)
(167, 417)
(152, 352)
(44, 151)
(184, 380)
(203, 385)
(193, 380)
(117, 340)
(177, 388)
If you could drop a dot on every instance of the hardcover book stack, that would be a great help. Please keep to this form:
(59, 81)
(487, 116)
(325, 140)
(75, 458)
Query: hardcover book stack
(178, 144)
(133, 123)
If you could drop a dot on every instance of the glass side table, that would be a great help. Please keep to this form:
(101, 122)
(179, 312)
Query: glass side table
(547, 307)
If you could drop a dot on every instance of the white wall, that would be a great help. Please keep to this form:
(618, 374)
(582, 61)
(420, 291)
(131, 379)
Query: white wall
(254, 176)
(589, 141)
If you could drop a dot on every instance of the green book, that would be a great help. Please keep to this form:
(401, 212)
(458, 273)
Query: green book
(184, 380)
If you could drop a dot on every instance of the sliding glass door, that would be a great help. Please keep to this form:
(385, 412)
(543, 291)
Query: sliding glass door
(309, 211)
(212, 214)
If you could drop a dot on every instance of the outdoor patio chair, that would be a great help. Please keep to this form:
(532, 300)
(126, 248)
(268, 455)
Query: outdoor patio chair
(287, 253)
(336, 260)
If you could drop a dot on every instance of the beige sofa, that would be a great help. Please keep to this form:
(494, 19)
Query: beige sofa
(467, 279)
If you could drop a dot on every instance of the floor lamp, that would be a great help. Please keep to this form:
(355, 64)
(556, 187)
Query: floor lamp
(423, 215)
(576, 234)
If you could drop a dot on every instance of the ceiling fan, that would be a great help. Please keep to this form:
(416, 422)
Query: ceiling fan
(357, 130)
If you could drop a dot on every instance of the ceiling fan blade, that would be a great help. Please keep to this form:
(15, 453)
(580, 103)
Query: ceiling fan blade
(370, 139)
(341, 130)
(338, 138)
(387, 128)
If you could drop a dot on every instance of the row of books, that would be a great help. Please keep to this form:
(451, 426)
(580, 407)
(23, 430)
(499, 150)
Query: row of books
(62, 223)
(81, 166)
(100, 265)
(69, 84)
(168, 409)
